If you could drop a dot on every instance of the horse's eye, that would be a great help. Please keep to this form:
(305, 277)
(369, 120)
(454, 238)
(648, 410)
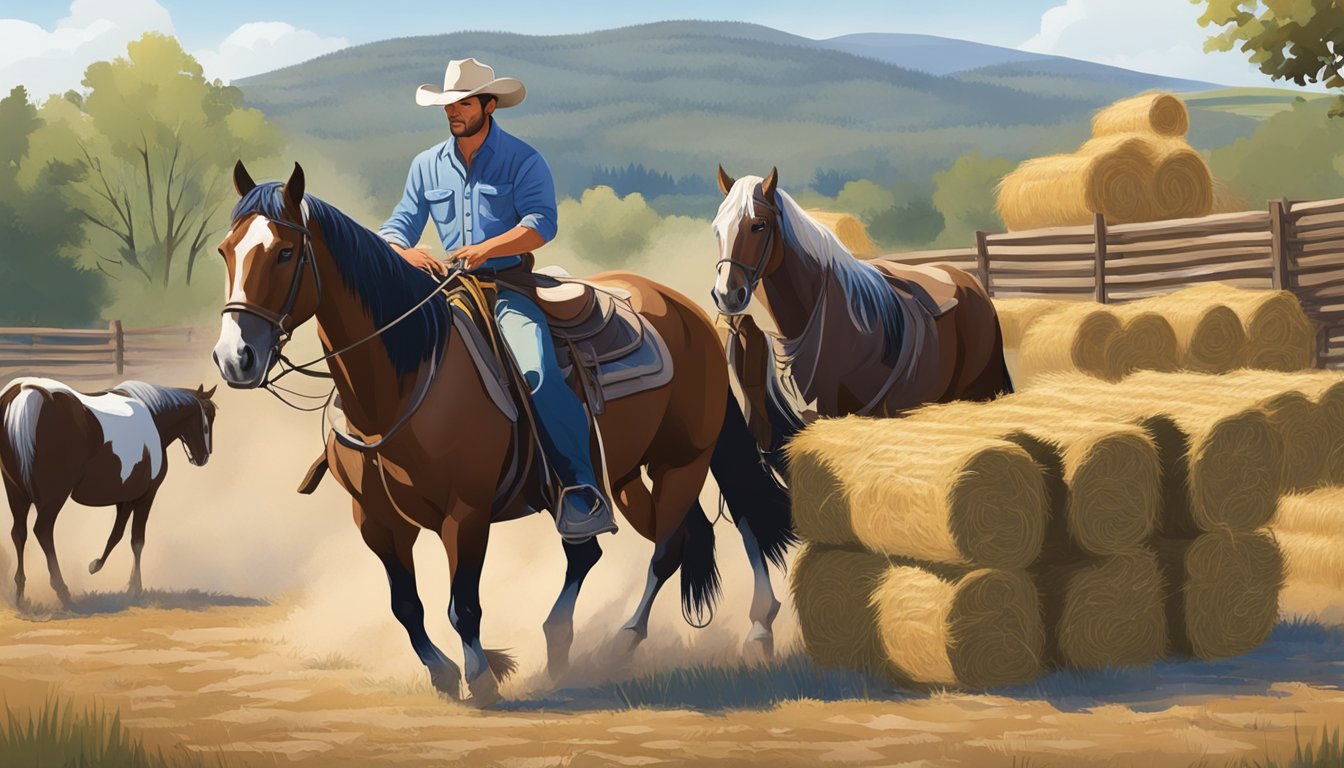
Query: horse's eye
(758, 226)
(285, 255)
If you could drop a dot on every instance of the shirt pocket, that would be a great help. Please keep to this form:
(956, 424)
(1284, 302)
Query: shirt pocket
(496, 202)
(441, 205)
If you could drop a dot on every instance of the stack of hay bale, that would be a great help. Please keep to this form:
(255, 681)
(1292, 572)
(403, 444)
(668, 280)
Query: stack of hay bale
(1136, 167)
(848, 230)
(1206, 328)
(1082, 524)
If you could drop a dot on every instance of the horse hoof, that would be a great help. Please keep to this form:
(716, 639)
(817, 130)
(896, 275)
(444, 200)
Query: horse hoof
(624, 644)
(758, 650)
(447, 681)
(559, 640)
(484, 690)
(96, 566)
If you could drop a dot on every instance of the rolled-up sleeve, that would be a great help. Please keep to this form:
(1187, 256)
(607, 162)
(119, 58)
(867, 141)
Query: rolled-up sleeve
(534, 197)
(407, 222)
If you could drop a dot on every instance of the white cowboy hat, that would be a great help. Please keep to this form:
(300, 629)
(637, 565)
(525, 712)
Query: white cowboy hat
(469, 77)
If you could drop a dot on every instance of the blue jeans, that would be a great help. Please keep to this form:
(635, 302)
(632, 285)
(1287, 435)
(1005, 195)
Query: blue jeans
(561, 422)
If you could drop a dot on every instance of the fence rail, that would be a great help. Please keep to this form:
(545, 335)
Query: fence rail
(93, 355)
(1295, 246)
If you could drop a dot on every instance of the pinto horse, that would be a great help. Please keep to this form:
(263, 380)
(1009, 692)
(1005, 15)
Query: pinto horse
(99, 449)
(396, 362)
(859, 337)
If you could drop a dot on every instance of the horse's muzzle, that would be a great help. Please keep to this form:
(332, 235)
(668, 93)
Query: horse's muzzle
(245, 350)
(734, 302)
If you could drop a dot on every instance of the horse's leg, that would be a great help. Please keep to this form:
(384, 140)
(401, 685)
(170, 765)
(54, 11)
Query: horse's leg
(393, 547)
(19, 504)
(559, 625)
(118, 529)
(139, 517)
(44, 529)
(760, 644)
(465, 533)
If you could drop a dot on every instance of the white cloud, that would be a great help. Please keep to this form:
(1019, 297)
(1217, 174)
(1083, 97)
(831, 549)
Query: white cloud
(1158, 36)
(263, 46)
(53, 61)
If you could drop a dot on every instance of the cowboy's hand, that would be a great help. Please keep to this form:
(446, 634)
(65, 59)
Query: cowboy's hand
(420, 259)
(471, 256)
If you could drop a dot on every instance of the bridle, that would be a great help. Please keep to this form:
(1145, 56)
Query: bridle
(767, 262)
(277, 320)
(205, 432)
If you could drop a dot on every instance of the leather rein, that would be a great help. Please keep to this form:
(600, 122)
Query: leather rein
(278, 319)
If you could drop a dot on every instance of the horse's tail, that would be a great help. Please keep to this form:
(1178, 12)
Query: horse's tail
(760, 505)
(20, 406)
(699, 571)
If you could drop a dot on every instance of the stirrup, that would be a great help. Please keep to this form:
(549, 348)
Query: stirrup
(583, 525)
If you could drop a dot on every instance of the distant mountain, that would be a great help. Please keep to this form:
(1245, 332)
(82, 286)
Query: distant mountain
(927, 53)
(677, 98)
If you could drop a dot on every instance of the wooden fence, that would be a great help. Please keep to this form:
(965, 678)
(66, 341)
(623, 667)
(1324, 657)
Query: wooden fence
(1297, 246)
(99, 355)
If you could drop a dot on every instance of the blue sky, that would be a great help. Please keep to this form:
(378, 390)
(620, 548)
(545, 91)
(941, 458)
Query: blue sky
(46, 44)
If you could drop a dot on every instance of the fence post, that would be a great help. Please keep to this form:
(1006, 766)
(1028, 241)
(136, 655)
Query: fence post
(118, 347)
(1099, 268)
(1278, 243)
(982, 259)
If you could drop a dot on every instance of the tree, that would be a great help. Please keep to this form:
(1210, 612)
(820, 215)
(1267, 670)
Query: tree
(39, 283)
(1256, 168)
(605, 228)
(157, 142)
(1297, 40)
(964, 195)
(913, 224)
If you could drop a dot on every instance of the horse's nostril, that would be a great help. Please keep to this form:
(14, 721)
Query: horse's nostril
(741, 295)
(246, 359)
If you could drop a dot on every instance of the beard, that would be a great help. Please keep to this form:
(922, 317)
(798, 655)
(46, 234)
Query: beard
(471, 128)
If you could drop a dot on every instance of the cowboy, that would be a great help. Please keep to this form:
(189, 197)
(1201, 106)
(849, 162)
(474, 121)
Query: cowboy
(493, 201)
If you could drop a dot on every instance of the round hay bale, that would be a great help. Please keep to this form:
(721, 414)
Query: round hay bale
(1016, 315)
(1108, 472)
(1311, 558)
(1106, 613)
(832, 591)
(1182, 183)
(1209, 337)
(981, 630)
(1067, 340)
(1307, 441)
(1159, 113)
(878, 484)
(1224, 588)
(1279, 336)
(848, 229)
(1145, 342)
(1318, 513)
(1112, 175)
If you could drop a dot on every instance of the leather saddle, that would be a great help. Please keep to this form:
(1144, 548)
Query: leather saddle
(930, 286)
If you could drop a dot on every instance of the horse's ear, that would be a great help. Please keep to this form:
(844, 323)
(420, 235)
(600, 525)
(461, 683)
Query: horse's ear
(242, 180)
(294, 187)
(771, 182)
(207, 393)
(726, 182)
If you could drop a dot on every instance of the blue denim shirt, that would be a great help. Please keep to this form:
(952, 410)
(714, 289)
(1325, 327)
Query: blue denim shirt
(509, 184)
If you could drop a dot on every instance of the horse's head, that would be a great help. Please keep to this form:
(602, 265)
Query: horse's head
(271, 280)
(198, 435)
(751, 242)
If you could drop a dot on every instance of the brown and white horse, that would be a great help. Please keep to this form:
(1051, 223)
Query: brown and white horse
(859, 337)
(397, 362)
(100, 449)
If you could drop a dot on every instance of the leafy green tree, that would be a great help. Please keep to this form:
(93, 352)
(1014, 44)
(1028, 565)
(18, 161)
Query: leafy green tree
(865, 199)
(39, 283)
(1258, 168)
(158, 142)
(964, 195)
(1297, 40)
(605, 228)
(913, 224)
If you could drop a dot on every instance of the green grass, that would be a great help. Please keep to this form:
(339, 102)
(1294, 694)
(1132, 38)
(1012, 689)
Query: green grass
(58, 736)
(1327, 753)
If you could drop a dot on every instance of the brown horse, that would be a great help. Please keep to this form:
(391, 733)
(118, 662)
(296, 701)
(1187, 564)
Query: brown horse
(99, 449)
(874, 337)
(291, 257)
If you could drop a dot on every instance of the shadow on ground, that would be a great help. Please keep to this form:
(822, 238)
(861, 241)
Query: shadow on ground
(101, 603)
(1295, 652)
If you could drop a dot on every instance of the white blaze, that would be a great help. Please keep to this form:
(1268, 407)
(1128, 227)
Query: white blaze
(258, 235)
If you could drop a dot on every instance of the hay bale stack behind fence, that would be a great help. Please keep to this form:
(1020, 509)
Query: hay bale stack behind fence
(1209, 336)
(1102, 478)
(1223, 591)
(878, 484)
(1233, 463)
(850, 231)
(1182, 182)
(1105, 612)
(858, 610)
(1158, 113)
(1111, 175)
